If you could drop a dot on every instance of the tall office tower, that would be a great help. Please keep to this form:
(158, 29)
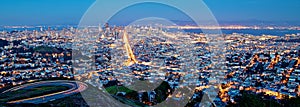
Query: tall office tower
(107, 29)
(41, 28)
(99, 28)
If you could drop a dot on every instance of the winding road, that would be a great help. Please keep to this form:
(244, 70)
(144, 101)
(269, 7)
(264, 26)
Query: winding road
(74, 87)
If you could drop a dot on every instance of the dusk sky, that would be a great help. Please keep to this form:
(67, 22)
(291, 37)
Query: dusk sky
(51, 12)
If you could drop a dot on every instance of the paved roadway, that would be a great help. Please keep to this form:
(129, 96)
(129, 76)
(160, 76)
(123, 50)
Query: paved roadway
(129, 50)
(75, 87)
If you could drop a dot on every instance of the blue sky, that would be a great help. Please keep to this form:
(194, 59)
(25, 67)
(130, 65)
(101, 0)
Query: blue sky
(51, 12)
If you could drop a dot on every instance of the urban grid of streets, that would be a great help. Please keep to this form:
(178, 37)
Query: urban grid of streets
(266, 65)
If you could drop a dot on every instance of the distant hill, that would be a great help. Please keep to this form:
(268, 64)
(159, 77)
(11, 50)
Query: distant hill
(45, 49)
(3, 43)
(291, 40)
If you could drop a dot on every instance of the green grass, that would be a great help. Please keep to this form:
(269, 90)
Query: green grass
(114, 89)
(129, 99)
(130, 102)
(45, 49)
